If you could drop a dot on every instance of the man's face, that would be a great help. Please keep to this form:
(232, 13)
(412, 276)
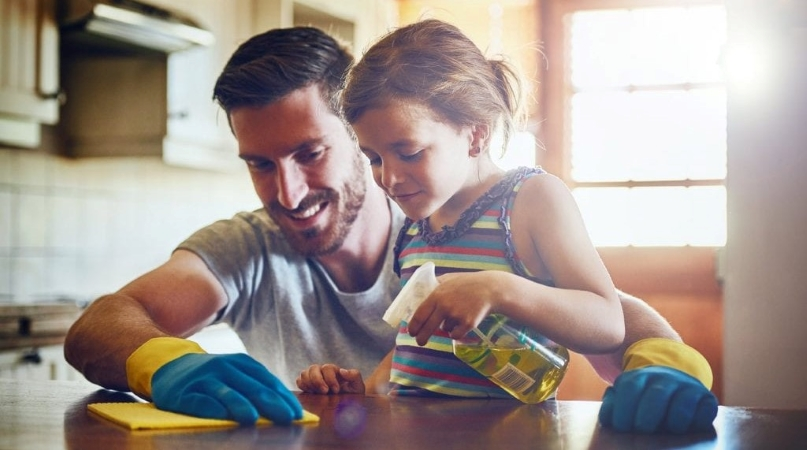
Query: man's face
(305, 168)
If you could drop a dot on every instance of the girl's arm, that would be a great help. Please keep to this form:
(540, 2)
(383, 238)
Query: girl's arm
(582, 311)
(378, 381)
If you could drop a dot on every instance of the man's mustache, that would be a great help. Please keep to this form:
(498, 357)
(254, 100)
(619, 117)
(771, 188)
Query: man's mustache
(316, 198)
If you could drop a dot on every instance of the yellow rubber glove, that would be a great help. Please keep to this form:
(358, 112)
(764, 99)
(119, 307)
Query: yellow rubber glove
(664, 388)
(670, 353)
(155, 353)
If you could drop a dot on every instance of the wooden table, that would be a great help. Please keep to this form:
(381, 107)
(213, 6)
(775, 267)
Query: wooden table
(53, 415)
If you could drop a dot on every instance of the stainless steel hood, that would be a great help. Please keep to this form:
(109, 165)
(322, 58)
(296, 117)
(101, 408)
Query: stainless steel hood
(128, 24)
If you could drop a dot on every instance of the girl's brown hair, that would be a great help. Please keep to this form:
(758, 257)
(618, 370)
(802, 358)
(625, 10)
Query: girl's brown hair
(434, 63)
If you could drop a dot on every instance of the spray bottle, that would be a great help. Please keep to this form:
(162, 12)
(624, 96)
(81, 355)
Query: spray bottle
(518, 359)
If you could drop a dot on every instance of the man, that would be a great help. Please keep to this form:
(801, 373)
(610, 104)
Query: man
(308, 277)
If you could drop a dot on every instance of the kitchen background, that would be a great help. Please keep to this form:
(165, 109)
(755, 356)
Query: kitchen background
(92, 197)
(75, 229)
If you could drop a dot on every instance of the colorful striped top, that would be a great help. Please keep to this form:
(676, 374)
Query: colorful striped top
(480, 240)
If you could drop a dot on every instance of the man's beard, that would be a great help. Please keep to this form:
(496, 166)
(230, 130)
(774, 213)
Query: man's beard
(318, 241)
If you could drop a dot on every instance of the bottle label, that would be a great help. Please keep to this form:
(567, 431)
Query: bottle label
(512, 377)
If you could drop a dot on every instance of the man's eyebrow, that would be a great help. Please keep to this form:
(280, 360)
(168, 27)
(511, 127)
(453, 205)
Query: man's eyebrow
(301, 147)
(307, 145)
(250, 157)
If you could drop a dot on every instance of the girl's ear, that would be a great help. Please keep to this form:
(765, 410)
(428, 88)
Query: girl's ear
(480, 137)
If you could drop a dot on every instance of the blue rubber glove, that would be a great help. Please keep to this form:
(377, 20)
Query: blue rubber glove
(658, 399)
(234, 387)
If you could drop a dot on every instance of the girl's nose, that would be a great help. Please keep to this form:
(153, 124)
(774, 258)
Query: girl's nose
(390, 175)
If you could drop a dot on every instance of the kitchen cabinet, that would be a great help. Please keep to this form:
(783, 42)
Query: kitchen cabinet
(197, 133)
(147, 103)
(29, 70)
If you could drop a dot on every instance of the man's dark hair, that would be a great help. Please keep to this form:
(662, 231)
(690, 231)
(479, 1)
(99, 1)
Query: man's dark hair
(273, 64)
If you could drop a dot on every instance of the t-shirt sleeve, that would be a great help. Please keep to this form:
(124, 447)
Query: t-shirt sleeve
(233, 250)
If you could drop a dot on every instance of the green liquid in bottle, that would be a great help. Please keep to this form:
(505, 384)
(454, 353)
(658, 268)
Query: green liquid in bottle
(520, 371)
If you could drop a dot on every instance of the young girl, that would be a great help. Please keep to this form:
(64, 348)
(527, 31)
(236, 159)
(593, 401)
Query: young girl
(424, 103)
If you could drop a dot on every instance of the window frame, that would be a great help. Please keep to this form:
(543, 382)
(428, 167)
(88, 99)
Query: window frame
(556, 90)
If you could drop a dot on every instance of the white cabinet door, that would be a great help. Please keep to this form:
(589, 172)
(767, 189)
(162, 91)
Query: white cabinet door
(357, 22)
(29, 69)
(198, 134)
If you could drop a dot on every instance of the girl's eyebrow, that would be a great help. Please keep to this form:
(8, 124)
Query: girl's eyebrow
(402, 144)
(398, 145)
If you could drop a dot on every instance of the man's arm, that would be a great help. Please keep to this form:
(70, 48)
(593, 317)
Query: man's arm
(659, 384)
(133, 339)
(176, 299)
(641, 322)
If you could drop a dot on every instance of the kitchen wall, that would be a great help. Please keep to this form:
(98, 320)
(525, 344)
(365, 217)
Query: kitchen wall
(80, 228)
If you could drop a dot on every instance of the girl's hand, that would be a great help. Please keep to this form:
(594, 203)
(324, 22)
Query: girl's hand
(458, 304)
(330, 379)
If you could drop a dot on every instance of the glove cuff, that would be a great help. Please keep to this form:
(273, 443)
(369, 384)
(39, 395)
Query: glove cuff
(156, 352)
(669, 353)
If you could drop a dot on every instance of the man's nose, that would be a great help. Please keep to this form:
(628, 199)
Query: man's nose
(292, 187)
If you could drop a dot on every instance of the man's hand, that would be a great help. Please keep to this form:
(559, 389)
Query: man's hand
(177, 375)
(658, 399)
(234, 387)
(330, 379)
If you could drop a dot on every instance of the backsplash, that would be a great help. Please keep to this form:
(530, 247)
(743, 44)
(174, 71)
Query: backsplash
(81, 228)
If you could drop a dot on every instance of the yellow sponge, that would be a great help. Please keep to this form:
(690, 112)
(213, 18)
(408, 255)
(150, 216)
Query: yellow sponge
(145, 416)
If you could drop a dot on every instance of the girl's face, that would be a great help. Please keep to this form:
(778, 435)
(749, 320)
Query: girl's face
(422, 163)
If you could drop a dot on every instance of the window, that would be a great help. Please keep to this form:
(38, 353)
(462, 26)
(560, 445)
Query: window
(642, 103)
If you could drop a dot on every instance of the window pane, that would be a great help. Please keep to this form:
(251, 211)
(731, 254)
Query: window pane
(649, 135)
(659, 48)
(654, 216)
(646, 46)
(706, 44)
(600, 48)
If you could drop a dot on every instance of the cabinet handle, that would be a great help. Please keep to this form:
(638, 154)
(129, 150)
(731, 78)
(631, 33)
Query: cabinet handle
(47, 48)
(59, 95)
(31, 357)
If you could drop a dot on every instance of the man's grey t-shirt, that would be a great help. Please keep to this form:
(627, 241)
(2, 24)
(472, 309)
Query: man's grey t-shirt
(285, 307)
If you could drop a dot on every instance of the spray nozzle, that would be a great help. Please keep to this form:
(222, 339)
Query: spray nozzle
(420, 285)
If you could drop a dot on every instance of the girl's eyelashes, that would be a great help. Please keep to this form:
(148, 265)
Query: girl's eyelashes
(372, 157)
(375, 160)
(411, 156)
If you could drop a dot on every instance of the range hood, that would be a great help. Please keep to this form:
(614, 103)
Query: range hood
(130, 25)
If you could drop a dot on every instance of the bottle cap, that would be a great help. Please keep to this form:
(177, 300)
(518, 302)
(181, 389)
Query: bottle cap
(419, 286)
